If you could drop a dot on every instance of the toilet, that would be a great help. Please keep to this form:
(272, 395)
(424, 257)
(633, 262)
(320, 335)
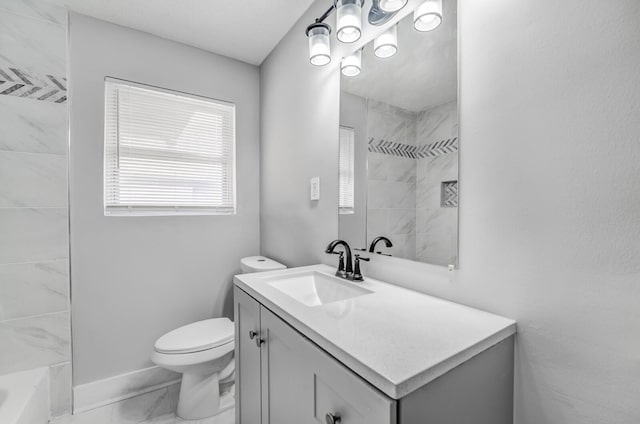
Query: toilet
(203, 353)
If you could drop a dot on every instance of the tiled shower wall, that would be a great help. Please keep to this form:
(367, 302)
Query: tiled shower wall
(437, 225)
(410, 155)
(34, 253)
(391, 185)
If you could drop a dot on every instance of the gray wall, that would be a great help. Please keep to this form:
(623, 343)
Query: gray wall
(34, 248)
(134, 278)
(550, 193)
(299, 135)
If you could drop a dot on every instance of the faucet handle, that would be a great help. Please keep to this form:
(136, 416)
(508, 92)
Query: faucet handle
(340, 272)
(357, 275)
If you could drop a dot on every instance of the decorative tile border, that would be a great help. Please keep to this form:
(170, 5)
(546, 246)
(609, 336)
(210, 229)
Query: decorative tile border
(392, 148)
(413, 152)
(439, 148)
(20, 83)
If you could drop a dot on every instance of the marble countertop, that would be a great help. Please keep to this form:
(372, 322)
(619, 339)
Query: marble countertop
(396, 339)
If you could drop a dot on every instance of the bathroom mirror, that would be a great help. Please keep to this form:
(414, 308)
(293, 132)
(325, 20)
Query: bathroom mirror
(399, 145)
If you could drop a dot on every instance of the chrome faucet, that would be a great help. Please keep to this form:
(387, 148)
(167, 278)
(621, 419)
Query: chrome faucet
(344, 271)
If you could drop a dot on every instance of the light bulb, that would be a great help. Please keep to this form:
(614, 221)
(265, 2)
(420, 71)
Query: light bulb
(386, 44)
(392, 5)
(319, 44)
(352, 64)
(428, 16)
(349, 20)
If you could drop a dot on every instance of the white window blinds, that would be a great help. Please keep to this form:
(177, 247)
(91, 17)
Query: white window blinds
(346, 173)
(167, 153)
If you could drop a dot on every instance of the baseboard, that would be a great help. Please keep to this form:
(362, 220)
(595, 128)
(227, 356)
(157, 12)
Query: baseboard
(114, 389)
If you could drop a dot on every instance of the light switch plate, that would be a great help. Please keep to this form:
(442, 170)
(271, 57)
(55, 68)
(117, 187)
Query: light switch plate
(314, 188)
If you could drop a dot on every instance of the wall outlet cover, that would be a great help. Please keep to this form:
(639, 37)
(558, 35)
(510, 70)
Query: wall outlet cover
(314, 188)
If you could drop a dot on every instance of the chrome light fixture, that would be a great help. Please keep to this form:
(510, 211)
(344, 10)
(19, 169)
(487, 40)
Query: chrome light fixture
(392, 5)
(349, 20)
(428, 16)
(386, 44)
(352, 64)
(319, 44)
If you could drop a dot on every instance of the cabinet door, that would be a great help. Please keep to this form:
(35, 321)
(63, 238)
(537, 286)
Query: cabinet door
(301, 384)
(247, 319)
(287, 380)
(341, 396)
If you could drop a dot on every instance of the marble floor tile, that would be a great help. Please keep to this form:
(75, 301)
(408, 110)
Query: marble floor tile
(34, 342)
(33, 180)
(33, 126)
(35, 288)
(157, 407)
(33, 234)
(140, 409)
(33, 45)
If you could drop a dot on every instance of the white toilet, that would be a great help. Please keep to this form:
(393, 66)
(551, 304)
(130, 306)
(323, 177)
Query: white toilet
(203, 353)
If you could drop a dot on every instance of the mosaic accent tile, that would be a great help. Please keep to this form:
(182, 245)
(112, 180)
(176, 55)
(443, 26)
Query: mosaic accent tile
(392, 148)
(438, 148)
(449, 194)
(20, 83)
(413, 152)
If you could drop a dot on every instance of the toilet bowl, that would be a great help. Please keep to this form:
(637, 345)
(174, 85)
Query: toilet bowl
(203, 353)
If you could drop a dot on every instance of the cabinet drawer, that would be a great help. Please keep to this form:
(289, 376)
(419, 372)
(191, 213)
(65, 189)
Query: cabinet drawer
(338, 392)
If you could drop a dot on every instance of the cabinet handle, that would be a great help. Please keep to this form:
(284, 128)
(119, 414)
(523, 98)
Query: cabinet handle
(333, 418)
(255, 335)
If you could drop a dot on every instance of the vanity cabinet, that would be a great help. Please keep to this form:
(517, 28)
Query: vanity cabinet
(282, 377)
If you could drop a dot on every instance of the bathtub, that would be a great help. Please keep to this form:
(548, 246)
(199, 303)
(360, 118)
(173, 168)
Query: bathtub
(24, 397)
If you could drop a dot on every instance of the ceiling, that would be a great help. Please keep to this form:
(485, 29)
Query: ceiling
(246, 30)
(421, 75)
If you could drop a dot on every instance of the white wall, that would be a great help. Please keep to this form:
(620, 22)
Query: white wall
(299, 135)
(134, 278)
(550, 194)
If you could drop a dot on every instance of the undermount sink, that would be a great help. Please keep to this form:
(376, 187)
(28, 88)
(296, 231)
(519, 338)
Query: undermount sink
(315, 288)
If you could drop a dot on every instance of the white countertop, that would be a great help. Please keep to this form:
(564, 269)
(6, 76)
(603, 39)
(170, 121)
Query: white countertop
(396, 339)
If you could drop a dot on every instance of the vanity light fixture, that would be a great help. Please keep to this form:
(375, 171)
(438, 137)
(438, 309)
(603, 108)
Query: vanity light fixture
(428, 16)
(319, 44)
(386, 44)
(392, 5)
(352, 64)
(349, 20)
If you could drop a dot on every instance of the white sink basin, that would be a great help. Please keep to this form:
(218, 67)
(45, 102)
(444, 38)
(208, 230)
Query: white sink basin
(313, 288)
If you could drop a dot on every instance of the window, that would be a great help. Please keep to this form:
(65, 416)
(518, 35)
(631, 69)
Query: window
(346, 177)
(167, 153)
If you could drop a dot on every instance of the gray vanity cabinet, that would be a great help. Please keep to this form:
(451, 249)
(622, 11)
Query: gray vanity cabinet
(284, 378)
(288, 379)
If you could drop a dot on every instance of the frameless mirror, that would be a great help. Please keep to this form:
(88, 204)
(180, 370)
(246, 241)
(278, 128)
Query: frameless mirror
(399, 145)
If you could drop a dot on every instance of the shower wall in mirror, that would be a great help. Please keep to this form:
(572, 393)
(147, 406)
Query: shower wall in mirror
(399, 146)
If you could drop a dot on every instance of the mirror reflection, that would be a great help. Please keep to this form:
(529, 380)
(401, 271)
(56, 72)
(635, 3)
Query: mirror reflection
(399, 145)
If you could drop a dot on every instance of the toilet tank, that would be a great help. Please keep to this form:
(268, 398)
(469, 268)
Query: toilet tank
(259, 264)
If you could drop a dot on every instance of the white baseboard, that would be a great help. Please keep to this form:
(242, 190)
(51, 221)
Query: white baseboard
(114, 389)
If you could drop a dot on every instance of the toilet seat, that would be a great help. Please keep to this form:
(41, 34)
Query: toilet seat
(197, 337)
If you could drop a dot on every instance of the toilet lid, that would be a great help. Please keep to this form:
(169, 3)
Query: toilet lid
(196, 337)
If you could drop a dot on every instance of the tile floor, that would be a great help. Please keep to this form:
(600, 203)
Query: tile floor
(157, 407)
